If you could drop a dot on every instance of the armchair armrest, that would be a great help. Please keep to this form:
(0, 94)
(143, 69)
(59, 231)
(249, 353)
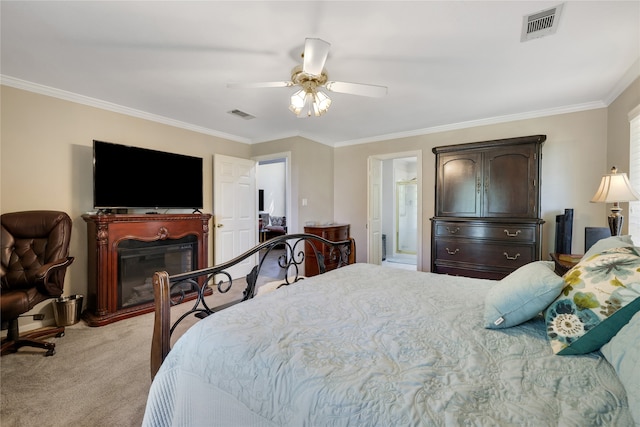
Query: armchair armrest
(43, 273)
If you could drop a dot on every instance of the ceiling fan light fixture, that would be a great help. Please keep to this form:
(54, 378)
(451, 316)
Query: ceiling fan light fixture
(297, 101)
(322, 101)
(307, 102)
(312, 75)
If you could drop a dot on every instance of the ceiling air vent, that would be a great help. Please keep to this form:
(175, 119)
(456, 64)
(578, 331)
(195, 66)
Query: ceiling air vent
(241, 114)
(541, 24)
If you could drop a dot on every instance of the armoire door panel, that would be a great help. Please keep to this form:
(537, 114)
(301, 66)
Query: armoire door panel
(460, 181)
(510, 183)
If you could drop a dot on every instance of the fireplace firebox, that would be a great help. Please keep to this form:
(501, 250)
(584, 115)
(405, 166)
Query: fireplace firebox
(125, 251)
(138, 260)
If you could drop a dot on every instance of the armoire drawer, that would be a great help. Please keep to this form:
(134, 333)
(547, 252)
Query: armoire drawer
(496, 254)
(506, 232)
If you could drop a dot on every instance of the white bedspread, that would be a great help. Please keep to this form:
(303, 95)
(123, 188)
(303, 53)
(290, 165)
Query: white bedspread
(372, 346)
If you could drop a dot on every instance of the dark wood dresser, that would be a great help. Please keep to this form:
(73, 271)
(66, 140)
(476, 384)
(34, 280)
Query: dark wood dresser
(333, 232)
(487, 220)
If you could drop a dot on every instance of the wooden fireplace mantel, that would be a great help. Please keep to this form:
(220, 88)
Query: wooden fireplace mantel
(104, 234)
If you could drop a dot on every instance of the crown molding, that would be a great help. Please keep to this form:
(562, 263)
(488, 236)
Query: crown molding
(109, 106)
(632, 73)
(481, 122)
(629, 77)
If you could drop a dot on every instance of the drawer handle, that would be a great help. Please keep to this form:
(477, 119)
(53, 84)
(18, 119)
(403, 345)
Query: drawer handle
(453, 231)
(511, 258)
(512, 234)
(450, 252)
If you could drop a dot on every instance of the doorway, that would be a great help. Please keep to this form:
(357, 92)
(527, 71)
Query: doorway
(273, 184)
(271, 178)
(394, 222)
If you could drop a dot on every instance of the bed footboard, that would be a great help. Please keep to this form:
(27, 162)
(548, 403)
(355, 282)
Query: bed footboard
(171, 290)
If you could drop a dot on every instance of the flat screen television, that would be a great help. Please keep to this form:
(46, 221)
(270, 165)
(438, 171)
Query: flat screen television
(131, 177)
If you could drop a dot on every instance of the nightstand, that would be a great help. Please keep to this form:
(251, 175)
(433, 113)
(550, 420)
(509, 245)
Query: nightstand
(562, 266)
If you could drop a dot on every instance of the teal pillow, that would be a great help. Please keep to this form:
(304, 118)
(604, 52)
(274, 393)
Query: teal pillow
(623, 352)
(521, 295)
(601, 294)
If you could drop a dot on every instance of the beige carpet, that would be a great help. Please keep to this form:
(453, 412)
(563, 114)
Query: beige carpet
(98, 376)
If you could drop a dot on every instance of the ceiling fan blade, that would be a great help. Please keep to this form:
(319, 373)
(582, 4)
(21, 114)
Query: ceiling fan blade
(259, 85)
(315, 55)
(357, 89)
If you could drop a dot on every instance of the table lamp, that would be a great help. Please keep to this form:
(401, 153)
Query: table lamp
(615, 188)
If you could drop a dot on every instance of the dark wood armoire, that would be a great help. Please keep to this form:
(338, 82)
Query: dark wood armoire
(487, 214)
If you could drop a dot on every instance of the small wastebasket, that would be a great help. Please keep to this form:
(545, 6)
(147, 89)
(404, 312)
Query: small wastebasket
(67, 310)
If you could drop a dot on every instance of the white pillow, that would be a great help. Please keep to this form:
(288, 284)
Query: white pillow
(623, 352)
(521, 295)
(608, 243)
(276, 284)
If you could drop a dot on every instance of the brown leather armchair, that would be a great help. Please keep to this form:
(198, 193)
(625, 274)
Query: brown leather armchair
(34, 259)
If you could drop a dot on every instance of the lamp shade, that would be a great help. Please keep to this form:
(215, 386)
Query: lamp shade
(615, 187)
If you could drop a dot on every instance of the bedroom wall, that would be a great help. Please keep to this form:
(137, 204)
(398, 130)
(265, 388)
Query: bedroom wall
(618, 129)
(47, 160)
(311, 179)
(580, 148)
(574, 159)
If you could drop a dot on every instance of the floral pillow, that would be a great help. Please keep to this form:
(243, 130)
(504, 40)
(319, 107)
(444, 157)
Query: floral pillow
(601, 294)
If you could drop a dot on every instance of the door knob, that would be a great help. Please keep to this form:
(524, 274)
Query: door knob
(219, 225)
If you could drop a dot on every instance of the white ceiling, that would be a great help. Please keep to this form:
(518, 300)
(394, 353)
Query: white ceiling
(447, 64)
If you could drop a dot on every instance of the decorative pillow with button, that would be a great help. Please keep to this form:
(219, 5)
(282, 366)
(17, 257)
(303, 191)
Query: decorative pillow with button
(521, 295)
(601, 294)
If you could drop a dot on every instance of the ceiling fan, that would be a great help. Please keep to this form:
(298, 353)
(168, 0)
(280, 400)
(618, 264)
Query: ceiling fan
(311, 76)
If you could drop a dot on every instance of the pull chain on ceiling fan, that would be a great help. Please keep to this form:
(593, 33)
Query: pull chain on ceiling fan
(311, 76)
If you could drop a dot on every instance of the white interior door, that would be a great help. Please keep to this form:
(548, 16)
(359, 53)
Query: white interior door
(235, 211)
(374, 222)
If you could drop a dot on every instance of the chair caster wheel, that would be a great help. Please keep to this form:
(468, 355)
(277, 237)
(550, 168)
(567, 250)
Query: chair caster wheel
(60, 335)
(50, 352)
